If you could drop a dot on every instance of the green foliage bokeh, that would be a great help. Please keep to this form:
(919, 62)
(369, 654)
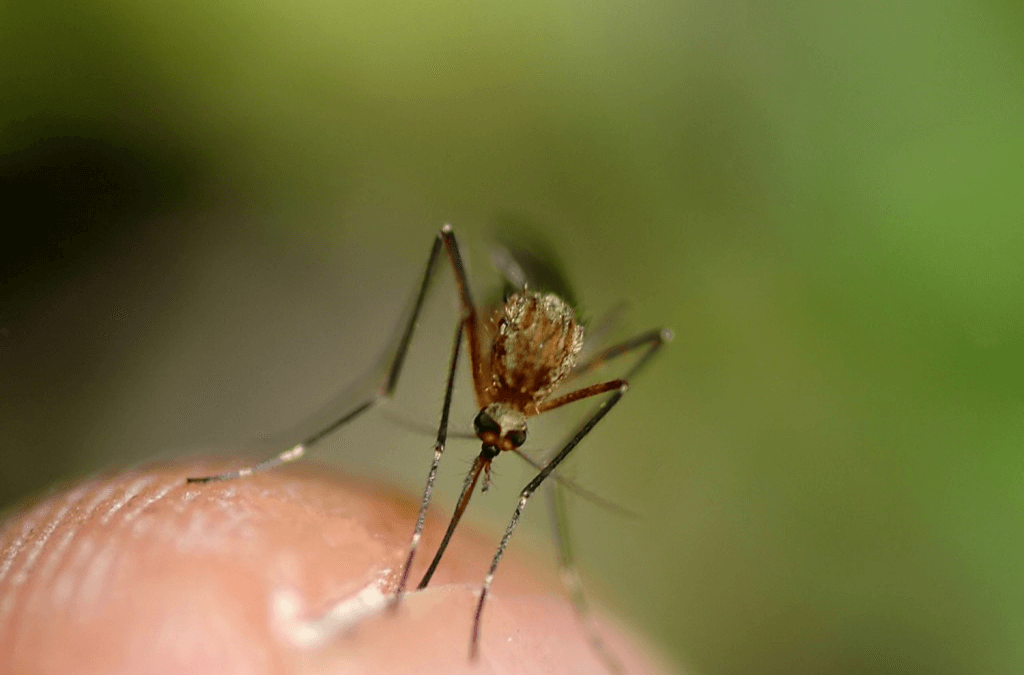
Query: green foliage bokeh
(823, 199)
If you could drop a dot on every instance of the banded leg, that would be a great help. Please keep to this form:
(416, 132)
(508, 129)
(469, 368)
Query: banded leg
(445, 239)
(442, 435)
(524, 496)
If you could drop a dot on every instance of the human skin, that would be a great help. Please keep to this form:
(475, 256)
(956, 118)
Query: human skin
(140, 572)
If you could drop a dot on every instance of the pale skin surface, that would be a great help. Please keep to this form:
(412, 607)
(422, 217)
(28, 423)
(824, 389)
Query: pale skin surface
(141, 573)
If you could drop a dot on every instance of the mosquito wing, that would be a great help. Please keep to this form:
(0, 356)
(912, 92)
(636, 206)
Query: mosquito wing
(524, 258)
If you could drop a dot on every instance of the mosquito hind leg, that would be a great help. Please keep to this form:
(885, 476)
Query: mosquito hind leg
(569, 574)
(652, 340)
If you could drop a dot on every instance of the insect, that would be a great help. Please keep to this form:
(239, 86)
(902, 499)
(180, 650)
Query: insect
(522, 354)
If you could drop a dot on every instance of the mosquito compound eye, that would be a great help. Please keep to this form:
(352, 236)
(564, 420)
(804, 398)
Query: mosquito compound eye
(517, 437)
(485, 423)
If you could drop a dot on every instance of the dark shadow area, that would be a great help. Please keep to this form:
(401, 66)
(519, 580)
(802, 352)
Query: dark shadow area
(76, 201)
(71, 193)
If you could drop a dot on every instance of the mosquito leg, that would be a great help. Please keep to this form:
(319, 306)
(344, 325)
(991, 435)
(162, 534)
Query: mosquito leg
(652, 340)
(445, 240)
(524, 496)
(442, 434)
(288, 455)
(579, 395)
(570, 576)
(479, 464)
(559, 520)
(469, 315)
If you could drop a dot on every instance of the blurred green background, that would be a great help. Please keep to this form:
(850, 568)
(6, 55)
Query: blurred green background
(217, 211)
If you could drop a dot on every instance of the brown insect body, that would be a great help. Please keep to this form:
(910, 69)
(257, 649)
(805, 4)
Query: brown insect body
(535, 340)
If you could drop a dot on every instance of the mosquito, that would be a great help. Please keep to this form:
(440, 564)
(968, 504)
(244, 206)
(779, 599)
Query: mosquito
(521, 354)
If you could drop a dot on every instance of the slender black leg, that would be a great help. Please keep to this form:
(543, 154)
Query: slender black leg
(479, 464)
(524, 496)
(442, 434)
(652, 340)
(296, 452)
(445, 240)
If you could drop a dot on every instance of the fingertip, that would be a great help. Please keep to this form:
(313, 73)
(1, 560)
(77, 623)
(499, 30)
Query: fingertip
(143, 571)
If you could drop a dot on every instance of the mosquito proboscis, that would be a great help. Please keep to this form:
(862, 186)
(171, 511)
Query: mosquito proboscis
(521, 355)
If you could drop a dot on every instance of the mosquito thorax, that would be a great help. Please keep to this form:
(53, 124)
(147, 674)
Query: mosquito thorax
(535, 341)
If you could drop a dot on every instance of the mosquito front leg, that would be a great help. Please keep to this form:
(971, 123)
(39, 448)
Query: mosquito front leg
(579, 490)
(442, 435)
(479, 464)
(531, 487)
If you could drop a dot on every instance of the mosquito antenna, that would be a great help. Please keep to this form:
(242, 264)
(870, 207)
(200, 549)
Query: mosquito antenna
(583, 492)
(567, 483)
(421, 428)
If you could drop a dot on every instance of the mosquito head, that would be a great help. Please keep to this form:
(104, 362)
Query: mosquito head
(500, 427)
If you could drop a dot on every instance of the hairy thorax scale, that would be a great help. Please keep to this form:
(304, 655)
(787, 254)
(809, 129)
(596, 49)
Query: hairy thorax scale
(535, 340)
